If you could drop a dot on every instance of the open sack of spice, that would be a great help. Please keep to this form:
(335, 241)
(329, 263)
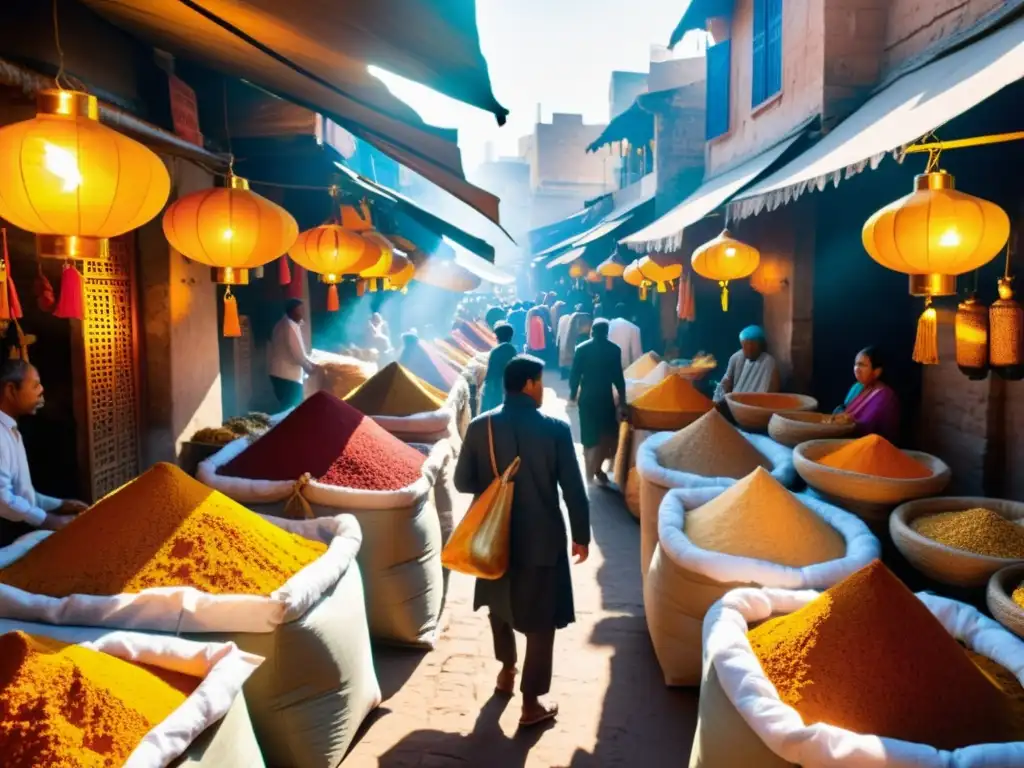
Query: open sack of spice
(865, 674)
(709, 453)
(337, 374)
(405, 405)
(94, 697)
(325, 458)
(167, 553)
(711, 540)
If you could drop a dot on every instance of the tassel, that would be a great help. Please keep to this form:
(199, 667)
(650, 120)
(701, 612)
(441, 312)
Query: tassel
(232, 325)
(662, 288)
(333, 304)
(46, 300)
(360, 287)
(10, 304)
(284, 274)
(608, 281)
(725, 294)
(297, 284)
(643, 291)
(926, 345)
(373, 285)
(5, 305)
(71, 304)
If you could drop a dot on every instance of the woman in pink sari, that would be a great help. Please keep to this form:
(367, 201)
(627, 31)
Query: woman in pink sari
(871, 403)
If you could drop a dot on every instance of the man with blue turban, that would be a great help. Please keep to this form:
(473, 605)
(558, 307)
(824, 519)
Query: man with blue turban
(751, 369)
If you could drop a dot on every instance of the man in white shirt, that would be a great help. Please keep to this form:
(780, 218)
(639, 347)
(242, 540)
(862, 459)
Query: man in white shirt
(22, 510)
(287, 359)
(626, 335)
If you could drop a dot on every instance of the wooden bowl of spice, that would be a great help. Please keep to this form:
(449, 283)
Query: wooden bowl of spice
(753, 410)
(1005, 598)
(790, 428)
(959, 540)
(869, 474)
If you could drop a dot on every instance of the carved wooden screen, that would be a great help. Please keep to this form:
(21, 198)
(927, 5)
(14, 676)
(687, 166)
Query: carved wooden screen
(109, 365)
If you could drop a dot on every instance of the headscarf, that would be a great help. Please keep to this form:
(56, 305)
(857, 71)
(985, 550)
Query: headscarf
(752, 333)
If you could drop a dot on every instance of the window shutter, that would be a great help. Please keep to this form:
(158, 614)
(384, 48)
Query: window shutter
(757, 80)
(717, 103)
(773, 49)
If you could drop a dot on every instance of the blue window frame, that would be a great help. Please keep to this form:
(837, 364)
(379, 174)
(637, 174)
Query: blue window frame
(717, 102)
(766, 54)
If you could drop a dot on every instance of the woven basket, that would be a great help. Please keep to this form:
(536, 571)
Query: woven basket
(750, 414)
(662, 421)
(938, 561)
(868, 496)
(790, 428)
(1000, 602)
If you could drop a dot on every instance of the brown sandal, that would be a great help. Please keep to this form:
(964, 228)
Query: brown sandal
(546, 712)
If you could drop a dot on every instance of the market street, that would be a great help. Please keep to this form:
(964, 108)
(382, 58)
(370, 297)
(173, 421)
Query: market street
(439, 709)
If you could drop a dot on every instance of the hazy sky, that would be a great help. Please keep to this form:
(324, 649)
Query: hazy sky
(556, 53)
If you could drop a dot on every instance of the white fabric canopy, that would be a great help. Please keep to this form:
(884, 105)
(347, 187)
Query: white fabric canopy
(566, 258)
(898, 115)
(666, 233)
(479, 266)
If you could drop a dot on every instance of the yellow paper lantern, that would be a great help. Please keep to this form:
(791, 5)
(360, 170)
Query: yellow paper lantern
(936, 229)
(655, 273)
(332, 250)
(231, 229)
(631, 274)
(402, 272)
(74, 182)
(593, 276)
(577, 269)
(381, 268)
(724, 258)
(611, 268)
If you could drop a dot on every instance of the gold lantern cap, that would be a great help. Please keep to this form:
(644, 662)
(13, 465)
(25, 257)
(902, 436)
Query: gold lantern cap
(933, 284)
(934, 180)
(61, 103)
(237, 182)
(230, 275)
(73, 247)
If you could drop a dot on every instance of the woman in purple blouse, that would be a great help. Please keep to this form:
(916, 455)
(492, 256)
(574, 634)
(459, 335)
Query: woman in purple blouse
(871, 403)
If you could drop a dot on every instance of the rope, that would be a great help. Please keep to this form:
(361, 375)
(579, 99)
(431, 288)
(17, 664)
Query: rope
(305, 512)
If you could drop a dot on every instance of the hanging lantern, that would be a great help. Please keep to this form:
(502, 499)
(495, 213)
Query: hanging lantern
(231, 229)
(1006, 333)
(934, 234)
(400, 273)
(658, 275)
(333, 249)
(611, 268)
(357, 218)
(725, 258)
(577, 269)
(74, 182)
(971, 331)
(381, 267)
(593, 277)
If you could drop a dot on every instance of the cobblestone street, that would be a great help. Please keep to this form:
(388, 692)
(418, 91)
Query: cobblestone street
(615, 710)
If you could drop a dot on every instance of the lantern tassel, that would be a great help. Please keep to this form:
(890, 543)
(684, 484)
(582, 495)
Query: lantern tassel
(926, 346)
(725, 295)
(643, 291)
(284, 272)
(297, 284)
(10, 305)
(333, 303)
(360, 287)
(373, 285)
(46, 300)
(5, 305)
(608, 283)
(232, 324)
(71, 304)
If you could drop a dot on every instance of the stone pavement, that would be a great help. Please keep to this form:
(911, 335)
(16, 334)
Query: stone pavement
(439, 709)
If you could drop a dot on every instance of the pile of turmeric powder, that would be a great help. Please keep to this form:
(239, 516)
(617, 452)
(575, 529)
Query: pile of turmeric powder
(1018, 595)
(66, 706)
(163, 529)
(868, 656)
(874, 455)
(978, 530)
(673, 394)
(394, 391)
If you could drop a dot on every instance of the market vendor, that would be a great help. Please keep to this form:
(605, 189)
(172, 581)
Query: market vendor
(287, 358)
(22, 510)
(871, 403)
(751, 369)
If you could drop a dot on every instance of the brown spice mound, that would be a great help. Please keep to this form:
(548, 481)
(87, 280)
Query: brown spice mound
(978, 530)
(1004, 680)
(711, 447)
(393, 391)
(163, 529)
(66, 706)
(758, 518)
(868, 656)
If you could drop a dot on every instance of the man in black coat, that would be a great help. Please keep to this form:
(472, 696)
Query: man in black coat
(494, 380)
(596, 370)
(535, 594)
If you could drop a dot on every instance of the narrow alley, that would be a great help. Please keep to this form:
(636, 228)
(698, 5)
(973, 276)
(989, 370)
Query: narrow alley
(439, 708)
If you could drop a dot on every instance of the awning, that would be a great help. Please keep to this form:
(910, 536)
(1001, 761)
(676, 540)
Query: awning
(485, 270)
(696, 16)
(426, 219)
(895, 117)
(542, 238)
(315, 53)
(666, 234)
(635, 125)
(566, 258)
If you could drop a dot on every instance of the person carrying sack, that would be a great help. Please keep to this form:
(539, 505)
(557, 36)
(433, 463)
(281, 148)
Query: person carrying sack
(534, 596)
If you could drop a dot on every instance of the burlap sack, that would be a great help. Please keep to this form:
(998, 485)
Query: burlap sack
(684, 581)
(742, 721)
(656, 481)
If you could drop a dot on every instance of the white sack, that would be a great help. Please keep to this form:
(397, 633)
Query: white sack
(222, 667)
(186, 609)
(780, 727)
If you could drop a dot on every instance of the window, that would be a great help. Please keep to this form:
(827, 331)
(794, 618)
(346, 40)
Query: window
(767, 51)
(717, 102)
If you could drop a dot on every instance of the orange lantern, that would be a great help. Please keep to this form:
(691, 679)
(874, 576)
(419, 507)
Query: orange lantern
(725, 258)
(611, 268)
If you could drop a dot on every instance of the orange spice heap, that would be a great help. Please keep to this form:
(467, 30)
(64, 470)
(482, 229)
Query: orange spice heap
(394, 391)
(874, 455)
(868, 656)
(774, 402)
(65, 706)
(163, 529)
(674, 394)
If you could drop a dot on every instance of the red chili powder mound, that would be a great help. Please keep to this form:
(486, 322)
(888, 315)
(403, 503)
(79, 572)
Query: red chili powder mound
(319, 434)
